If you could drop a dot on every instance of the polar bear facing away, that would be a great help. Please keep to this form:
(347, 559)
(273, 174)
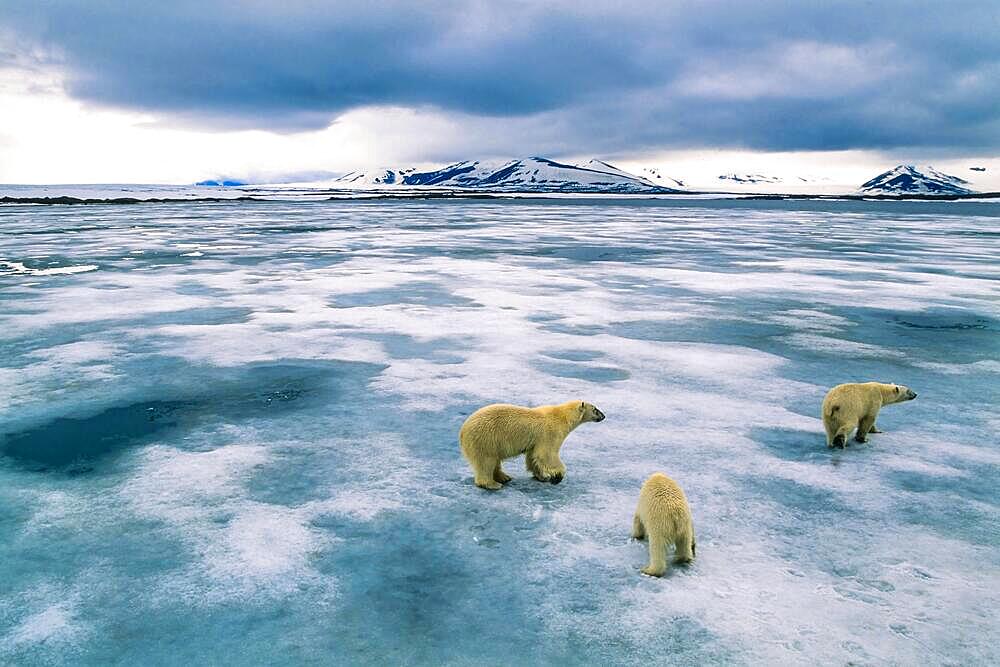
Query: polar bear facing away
(501, 431)
(856, 405)
(664, 518)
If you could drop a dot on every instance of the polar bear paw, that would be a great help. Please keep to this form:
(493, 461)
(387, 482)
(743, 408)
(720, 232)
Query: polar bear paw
(550, 476)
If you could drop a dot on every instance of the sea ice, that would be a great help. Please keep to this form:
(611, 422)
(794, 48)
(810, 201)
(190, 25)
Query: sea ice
(233, 438)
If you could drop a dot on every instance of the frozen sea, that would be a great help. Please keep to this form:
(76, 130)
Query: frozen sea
(228, 432)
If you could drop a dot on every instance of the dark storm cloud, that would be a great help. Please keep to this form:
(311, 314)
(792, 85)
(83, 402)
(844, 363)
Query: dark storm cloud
(767, 75)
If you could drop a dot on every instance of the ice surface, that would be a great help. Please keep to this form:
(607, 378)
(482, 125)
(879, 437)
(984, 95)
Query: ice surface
(232, 439)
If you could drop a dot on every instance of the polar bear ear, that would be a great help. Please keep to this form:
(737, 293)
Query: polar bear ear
(896, 388)
(583, 406)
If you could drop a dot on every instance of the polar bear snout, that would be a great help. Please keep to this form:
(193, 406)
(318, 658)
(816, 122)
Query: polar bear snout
(902, 393)
(588, 412)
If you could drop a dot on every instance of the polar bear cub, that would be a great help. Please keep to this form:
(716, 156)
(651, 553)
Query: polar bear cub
(663, 516)
(856, 405)
(502, 431)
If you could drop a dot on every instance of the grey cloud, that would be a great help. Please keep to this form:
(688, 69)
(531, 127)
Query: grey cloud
(769, 75)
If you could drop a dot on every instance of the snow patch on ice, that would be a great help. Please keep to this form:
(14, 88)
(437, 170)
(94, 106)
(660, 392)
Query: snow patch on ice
(54, 623)
(245, 548)
(840, 346)
(48, 621)
(18, 268)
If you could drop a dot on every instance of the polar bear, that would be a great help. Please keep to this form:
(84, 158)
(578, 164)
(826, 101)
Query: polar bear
(664, 517)
(847, 406)
(502, 431)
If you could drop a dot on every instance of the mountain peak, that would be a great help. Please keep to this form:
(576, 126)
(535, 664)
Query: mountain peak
(530, 174)
(909, 179)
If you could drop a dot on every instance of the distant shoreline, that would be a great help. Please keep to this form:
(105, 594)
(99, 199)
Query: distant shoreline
(346, 195)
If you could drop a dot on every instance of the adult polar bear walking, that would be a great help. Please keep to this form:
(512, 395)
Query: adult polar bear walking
(855, 406)
(663, 516)
(502, 431)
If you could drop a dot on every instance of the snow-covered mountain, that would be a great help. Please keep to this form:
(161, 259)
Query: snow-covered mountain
(762, 182)
(542, 175)
(750, 178)
(907, 179)
(533, 174)
(653, 174)
(374, 177)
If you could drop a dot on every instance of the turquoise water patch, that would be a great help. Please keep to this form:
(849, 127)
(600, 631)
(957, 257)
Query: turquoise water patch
(792, 444)
(581, 371)
(420, 293)
(978, 484)
(802, 499)
(72, 442)
(603, 253)
(261, 391)
(62, 334)
(574, 355)
(555, 326)
(952, 519)
(402, 346)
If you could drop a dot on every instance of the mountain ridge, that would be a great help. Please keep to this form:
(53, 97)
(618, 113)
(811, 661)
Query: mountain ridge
(908, 179)
(541, 175)
(531, 174)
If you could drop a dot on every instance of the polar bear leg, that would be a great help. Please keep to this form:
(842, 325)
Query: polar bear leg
(530, 463)
(533, 462)
(549, 468)
(557, 471)
(499, 475)
(657, 556)
(864, 428)
(840, 436)
(483, 471)
(684, 548)
(638, 531)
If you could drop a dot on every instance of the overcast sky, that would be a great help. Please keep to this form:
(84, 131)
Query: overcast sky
(97, 90)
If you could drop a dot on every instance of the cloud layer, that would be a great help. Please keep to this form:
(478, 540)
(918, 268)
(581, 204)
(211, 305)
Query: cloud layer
(636, 76)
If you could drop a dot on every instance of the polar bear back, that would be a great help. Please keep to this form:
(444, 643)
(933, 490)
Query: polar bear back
(663, 507)
(853, 400)
(504, 430)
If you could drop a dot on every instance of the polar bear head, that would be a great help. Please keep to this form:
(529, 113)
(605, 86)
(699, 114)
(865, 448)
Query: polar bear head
(899, 393)
(589, 413)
